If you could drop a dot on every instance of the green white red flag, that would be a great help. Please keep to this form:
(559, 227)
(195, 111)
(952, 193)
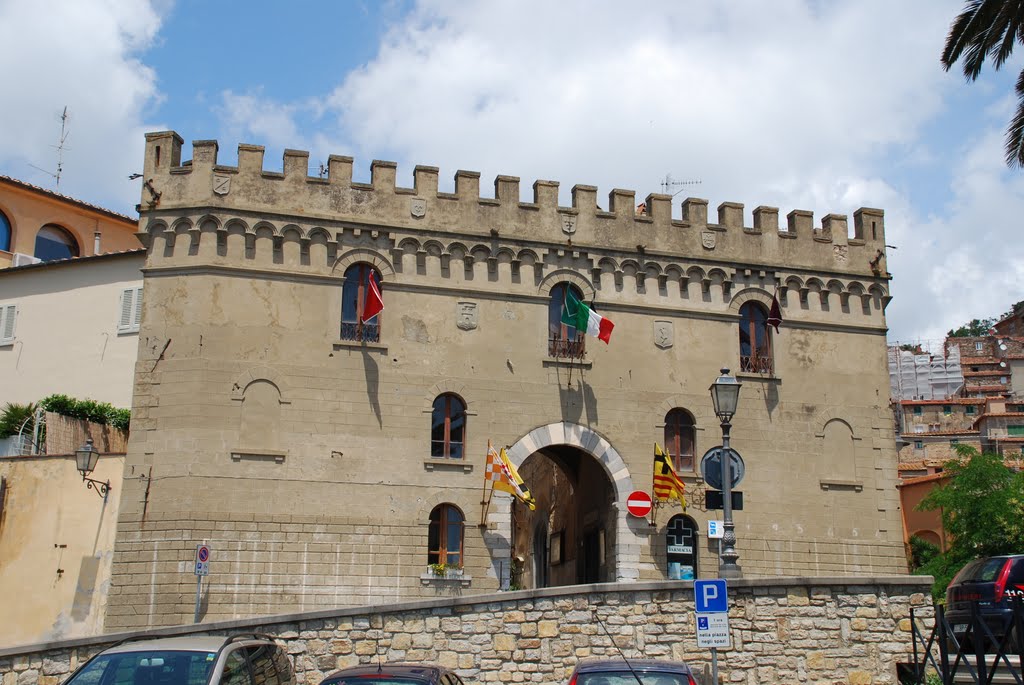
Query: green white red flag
(581, 317)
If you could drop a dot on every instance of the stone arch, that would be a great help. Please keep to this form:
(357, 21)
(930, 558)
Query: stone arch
(202, 221)
(362, 254)
(441, 388)
(259, 373)
(746, 295)
(566, 276)
(630, 535)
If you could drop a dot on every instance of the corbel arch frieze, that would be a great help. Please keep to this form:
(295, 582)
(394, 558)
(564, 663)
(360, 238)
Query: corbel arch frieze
(362, 254)
(566, 276)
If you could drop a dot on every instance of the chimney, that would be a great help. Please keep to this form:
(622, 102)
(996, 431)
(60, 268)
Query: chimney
(96, 242)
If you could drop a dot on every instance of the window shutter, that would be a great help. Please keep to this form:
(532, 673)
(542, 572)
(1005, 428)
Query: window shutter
(137, 317)
(8, 315)
(131, 310)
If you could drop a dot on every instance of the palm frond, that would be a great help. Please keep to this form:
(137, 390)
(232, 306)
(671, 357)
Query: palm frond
(1014, 145)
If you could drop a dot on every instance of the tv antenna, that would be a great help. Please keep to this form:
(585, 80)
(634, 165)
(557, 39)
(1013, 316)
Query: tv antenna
(669, 183)
(64, 133)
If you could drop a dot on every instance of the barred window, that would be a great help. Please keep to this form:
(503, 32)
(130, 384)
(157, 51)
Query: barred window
(354, 304)
(755, 339)
(564, 341)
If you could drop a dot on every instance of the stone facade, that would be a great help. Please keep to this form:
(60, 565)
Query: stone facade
(817, 630)
(303, 457)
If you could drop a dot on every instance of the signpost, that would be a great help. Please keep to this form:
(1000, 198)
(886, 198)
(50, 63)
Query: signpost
(711, 601)
(639, 503)
(202, 569)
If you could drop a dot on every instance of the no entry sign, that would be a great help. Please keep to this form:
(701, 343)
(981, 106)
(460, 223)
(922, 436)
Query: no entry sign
(639, 503)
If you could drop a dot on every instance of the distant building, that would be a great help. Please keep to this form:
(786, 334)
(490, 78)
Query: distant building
(37, 224)
(1012, 325)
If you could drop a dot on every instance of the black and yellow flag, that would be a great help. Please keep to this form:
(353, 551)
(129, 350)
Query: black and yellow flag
(667, 485)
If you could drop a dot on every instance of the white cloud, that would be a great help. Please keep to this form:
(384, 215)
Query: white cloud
(82, 55)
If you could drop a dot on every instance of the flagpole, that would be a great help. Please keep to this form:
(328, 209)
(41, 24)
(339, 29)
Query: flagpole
(485, 501)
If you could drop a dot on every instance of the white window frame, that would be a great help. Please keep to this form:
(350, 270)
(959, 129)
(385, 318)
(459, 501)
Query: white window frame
(8, 319)
(130, 312)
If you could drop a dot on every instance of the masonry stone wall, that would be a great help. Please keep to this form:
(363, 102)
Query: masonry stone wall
(811, 630)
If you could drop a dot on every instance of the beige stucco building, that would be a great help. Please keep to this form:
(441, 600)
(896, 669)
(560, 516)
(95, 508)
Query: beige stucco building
(327, 461)
(73, 328)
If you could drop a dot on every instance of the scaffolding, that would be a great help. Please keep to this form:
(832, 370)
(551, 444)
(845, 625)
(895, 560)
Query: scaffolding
(915, 375)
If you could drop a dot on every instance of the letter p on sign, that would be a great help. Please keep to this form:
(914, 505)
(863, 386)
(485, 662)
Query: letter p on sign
(710, 596)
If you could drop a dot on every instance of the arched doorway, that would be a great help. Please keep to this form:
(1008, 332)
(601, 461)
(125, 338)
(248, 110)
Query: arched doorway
(565, 540)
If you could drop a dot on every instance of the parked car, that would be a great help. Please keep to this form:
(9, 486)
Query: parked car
(990, 583)
(621, 672)
(394, 674)
(195, 660)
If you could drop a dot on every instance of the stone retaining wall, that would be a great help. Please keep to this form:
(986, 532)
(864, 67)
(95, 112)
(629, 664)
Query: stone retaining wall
(813, 630)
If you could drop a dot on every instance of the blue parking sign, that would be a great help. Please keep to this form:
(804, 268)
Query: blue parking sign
(710, 596)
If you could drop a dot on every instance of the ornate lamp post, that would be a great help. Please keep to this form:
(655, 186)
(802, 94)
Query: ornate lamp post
(725, 394)
(86, 457)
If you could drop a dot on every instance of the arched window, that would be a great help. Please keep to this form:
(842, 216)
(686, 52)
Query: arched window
(680, 439)
(755, 339)
(54, 242)
(444, 543)
(564, 341)
(5, 233)
(447, 427)
(358, 298)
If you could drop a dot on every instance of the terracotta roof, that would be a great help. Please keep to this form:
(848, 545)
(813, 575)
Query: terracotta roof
(991, 388)
(913, 480)
(966, 433)
(1014, 438)
(67, 198)
(994, 372)
(951, 400)
(997, 414)
(72, 260)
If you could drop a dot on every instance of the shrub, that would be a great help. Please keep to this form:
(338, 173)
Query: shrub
(88, 410)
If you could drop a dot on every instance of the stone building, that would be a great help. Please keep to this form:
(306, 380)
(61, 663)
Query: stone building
(329, 461)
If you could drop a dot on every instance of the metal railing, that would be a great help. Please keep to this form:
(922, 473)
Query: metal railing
(360, 332)
(977, 656)
(563, 348)
(756, 364)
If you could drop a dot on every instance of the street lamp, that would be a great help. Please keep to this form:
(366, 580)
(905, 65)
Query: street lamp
(86, 457)
(725, 395)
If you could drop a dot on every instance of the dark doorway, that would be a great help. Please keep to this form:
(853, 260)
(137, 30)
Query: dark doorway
(567, 539)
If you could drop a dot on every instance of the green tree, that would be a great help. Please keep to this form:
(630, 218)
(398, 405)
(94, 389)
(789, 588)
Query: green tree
(989, 30)
(982, 507)
(972, 329)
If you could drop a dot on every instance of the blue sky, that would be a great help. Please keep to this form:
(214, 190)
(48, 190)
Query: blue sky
(826, 106)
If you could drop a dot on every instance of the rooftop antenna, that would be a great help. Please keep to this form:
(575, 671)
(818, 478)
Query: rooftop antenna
(64, 133)
(669, 183)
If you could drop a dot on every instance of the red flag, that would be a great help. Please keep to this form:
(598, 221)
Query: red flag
(374, 302)
(775, 314)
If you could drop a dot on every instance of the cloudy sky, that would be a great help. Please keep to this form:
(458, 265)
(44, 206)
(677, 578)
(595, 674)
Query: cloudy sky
(808, 104)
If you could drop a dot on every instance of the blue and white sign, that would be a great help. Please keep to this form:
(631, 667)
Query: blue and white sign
(202, 560)
(710, 596)
(716, 529)
(713, 630)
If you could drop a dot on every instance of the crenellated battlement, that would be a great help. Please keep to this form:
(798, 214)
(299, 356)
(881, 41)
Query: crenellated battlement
(623, 226)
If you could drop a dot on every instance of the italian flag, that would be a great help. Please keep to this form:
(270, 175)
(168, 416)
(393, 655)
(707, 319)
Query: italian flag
(583, 318)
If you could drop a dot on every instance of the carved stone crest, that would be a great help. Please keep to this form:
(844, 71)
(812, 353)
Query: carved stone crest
(418, 207)
(221, 184)
(707, 239)
(568, 224)
(466, 315)
(664, 334)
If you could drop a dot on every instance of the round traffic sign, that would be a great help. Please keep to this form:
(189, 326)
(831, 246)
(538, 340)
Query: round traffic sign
(711, 467)
(203, 553)
(639, 503)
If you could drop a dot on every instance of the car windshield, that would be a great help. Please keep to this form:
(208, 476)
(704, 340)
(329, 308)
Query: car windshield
(983, 570)
(147, 668)
(646, 677)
